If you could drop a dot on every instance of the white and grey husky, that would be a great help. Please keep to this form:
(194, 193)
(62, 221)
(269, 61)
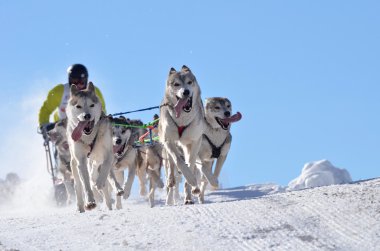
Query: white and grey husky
(125, 132)
(59, 138)
(89, 135)
(216, 140)
(181, 126)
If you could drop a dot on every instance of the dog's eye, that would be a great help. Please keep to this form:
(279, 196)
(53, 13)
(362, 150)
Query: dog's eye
(92, 105)
(123, 131)
(217, 108)
(176, 84)
(190, 82)
(78, 107)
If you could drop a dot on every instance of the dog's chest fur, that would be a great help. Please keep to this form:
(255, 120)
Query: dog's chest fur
(187, 128)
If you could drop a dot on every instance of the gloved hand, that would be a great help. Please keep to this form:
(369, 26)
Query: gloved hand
(45, 128)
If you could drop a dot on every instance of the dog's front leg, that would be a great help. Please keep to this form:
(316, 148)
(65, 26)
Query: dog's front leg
(207, 172)
(115, 182)
(104, 171)
(77, 185)
(218, 168)
(193, 150)
(107, 194)
(172, 150)
(119, 174)
(141, 175)
(83, 172)
(169, 170)
(131, 177)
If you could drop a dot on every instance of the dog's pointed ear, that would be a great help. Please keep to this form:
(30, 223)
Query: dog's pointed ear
(172, 71)
(64, 122)
(185, 69)
(91, 87)
(73, 90)
(122, 118)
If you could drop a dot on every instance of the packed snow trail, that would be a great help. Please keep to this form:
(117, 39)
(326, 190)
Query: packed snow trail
(257, 217)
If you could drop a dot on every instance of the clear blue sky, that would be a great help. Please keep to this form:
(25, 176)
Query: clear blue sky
(304, 74)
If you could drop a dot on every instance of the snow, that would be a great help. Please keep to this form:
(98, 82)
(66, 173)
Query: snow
(319, 173)
(252, 217)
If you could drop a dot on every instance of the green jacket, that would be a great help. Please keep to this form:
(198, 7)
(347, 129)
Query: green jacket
(54, 101)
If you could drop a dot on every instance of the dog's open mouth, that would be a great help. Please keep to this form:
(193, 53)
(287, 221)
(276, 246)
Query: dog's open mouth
(225, 123)
(118, 149)
(85, 127)
(184, 104)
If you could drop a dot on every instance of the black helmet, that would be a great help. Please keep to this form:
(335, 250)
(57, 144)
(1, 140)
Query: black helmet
(77, 71)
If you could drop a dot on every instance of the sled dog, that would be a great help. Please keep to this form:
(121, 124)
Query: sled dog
(216, 140)
(181, 126)
(59, 138)
(125, 133)
(89, 135)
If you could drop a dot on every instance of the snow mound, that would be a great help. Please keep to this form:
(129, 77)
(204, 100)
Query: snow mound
(319, 173)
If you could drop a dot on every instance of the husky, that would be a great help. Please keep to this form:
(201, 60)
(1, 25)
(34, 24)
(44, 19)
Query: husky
(59, 138)
(216, 140)
(125, 133)
(181, 126)
(89, 135)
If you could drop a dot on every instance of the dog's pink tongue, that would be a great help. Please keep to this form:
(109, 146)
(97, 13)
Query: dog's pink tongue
(234, 118)
(77, 133)
(178, 107)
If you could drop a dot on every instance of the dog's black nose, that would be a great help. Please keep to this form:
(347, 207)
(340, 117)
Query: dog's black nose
(186, 93)
(87, 116)
(227, 113)
(118, 141)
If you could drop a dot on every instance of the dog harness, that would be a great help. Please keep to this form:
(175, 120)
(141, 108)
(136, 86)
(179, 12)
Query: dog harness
(215, 150)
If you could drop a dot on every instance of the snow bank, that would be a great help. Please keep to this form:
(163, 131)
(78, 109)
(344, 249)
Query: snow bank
(319, 173)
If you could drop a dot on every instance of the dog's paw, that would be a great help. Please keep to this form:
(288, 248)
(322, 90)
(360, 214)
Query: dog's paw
(90, 205)
(195, 191)
(120, 192)
(213, 188)
(189, 202)
(214, 182)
